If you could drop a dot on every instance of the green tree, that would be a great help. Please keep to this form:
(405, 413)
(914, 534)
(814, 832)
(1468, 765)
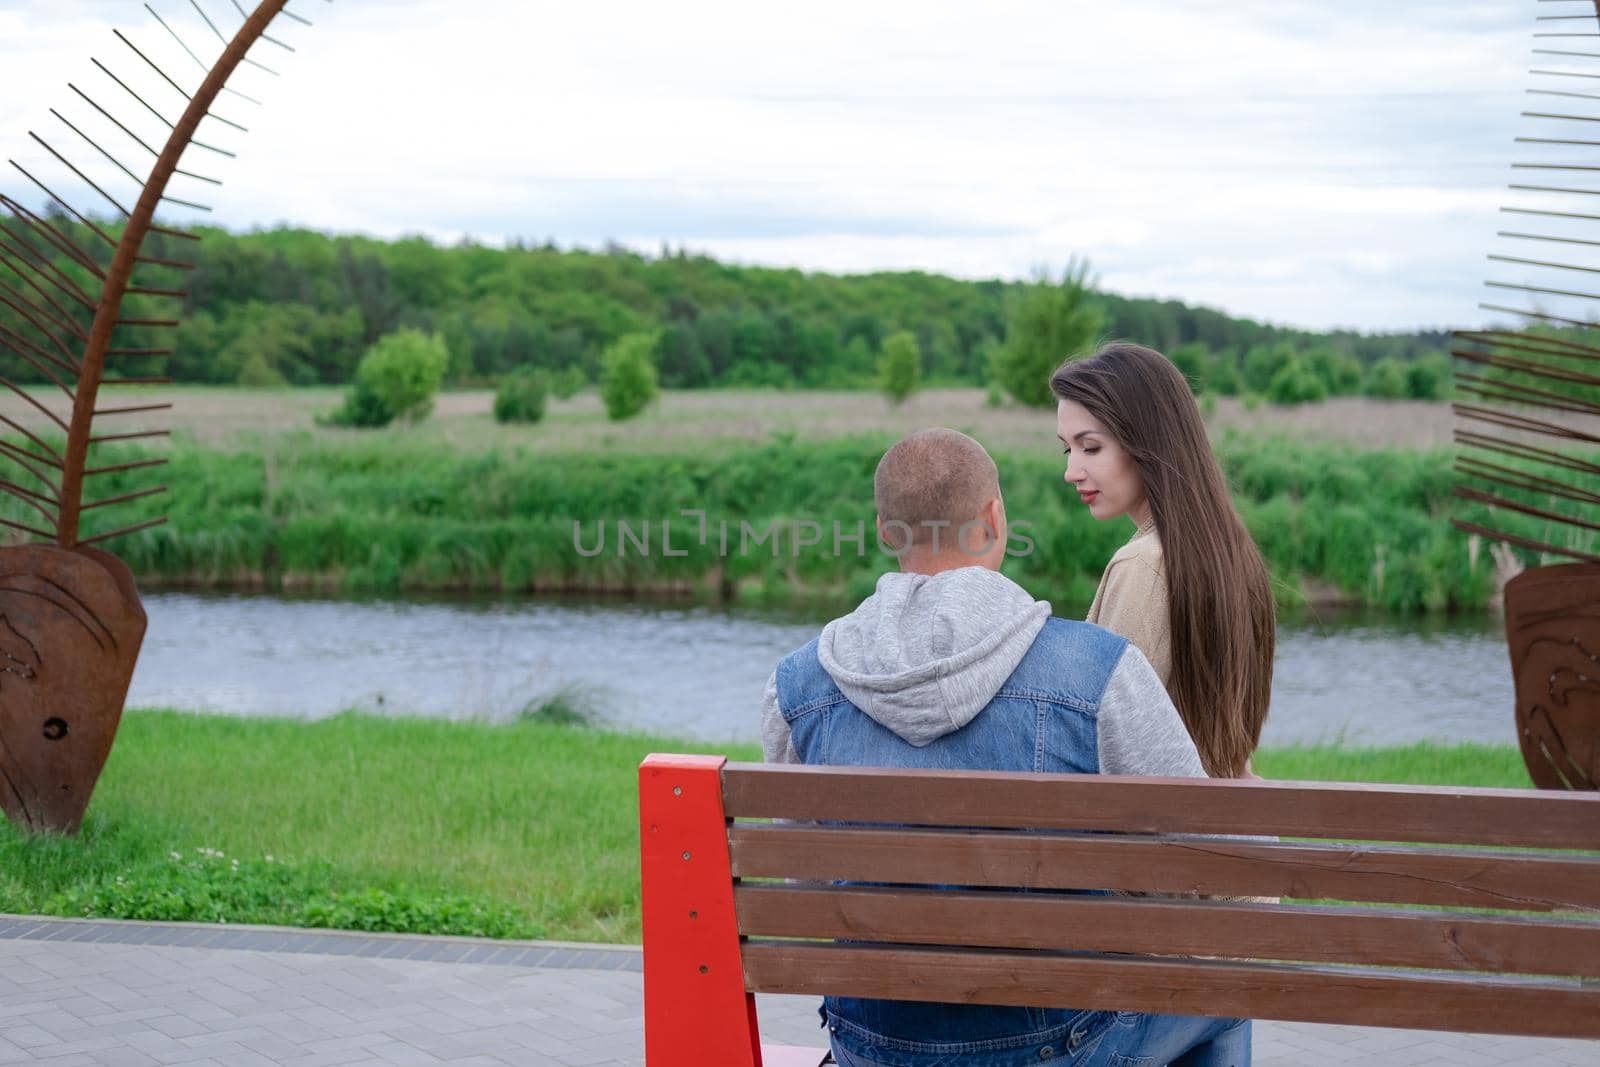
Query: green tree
(521, 397)
(1296, 383)
(1051, 322)
(628, 381)
(1341, 374)
(1194, 360)
(568, 383)
(1386, 379)
(1428, 377)
(899, 366)
(1262, 364)
(398, 378)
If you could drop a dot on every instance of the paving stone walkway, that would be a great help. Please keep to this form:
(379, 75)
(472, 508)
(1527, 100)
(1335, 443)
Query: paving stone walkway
(122, 994)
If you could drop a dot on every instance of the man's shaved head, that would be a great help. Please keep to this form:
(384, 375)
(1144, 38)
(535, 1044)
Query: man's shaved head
(935, 476)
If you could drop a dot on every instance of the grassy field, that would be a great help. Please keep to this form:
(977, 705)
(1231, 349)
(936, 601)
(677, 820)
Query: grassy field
(697, 419)
(520, 830)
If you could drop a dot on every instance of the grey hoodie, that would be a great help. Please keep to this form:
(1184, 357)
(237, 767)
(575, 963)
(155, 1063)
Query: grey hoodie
(924, 654)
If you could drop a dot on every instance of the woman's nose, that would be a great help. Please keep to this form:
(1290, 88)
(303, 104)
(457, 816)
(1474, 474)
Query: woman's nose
(1073, 475)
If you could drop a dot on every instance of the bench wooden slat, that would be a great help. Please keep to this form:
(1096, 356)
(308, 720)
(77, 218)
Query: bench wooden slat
(1439, 815)
(1191, 987)
(1173, 928)
(1447, 877)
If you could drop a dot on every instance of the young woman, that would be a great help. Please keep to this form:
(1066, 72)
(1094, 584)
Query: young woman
(1189, 589)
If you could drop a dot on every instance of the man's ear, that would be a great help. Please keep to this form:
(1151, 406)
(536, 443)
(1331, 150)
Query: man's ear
(995, 515)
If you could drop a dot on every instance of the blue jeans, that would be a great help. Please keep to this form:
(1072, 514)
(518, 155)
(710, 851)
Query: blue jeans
(1093, 1039)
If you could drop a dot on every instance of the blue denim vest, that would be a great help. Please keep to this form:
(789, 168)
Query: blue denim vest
(1044, 718)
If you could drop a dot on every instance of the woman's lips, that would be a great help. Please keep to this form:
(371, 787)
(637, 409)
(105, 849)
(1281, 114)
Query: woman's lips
(1089, 497)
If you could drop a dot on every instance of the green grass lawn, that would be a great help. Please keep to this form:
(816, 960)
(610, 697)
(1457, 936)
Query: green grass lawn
(521, 830)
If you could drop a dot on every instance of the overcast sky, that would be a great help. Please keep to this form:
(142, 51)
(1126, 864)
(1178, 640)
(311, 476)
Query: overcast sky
(1306, 162)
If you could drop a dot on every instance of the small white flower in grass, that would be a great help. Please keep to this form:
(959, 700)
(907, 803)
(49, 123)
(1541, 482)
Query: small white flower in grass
(270, 859)
(176, 855)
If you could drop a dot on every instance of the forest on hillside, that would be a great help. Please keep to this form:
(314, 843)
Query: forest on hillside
(299, 307)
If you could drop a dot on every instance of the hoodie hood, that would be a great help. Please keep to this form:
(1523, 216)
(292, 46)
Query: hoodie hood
(925, 653)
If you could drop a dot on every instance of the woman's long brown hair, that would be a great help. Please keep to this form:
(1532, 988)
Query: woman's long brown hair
(1219, 600)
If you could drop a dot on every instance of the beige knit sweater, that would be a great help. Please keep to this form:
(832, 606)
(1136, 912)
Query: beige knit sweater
(1132, 602)
(1132, 599)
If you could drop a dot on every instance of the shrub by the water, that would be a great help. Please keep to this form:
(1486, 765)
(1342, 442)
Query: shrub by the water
(899, 366)
(521, 397)
(1296, 383)
(398, 378)
(628, 379)
(1050, 322)
(566, 384)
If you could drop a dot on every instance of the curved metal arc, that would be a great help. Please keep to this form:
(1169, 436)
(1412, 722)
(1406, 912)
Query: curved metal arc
(119, 274)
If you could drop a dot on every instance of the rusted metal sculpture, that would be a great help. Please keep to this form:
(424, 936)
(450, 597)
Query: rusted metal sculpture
(1528, 437)
(70, 619)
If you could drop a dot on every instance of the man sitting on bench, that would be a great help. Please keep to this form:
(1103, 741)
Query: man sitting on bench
(949, 664)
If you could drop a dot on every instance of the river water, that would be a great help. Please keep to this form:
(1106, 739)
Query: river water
(698, 672)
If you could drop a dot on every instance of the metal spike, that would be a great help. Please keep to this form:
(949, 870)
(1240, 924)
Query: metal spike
(41, 265)
(81, 175)
(1506, 393)
(1519, 450)
(67, 324)
(159, 116)
(139, 464)
(1536, 289)
(1543, 263)
(1522, 542)
(124, 498)
(36, 439)
(32, 355)
(1523, 422)
(139, 140)
(61, 241)
(1481, 497)
(200, 62)
(1493, 472)
(1553, 346)
(9, 258)
(181, 91)
(136, 435)
(46, 412)
(125, 530)
(47, 534)
(135, 410)
(30, 499)
(33, 315)
(25, 459)
(1531, 368)
(114, 160)
(97, 231)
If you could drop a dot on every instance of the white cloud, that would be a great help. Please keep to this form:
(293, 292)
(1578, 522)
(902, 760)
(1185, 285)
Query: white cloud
(1288, 159)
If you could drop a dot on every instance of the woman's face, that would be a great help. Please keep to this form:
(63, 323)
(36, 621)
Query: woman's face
(1098, 467)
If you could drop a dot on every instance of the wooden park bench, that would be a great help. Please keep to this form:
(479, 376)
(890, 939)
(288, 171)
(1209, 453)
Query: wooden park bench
(1446, 913)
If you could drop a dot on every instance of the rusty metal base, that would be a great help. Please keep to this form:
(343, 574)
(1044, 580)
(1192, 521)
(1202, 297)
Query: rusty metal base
(70, 629)
(1553, 629)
